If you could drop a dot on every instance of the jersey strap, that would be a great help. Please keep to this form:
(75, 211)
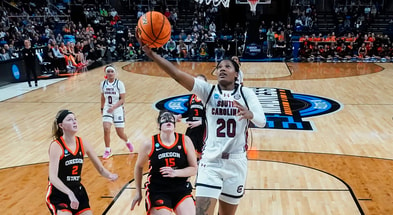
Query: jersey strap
(210, 94)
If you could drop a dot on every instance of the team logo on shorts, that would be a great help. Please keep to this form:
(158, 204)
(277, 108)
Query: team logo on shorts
(283, 108)
(159, 202)
(240, 189)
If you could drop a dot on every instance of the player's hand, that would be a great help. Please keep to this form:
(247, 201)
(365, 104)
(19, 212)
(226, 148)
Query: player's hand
(167, 171)
(74, 201)
(110, 110)
(193, 124)
(137, 200)
(113, 177)
(178, 117)
(244, 113)
(144, 47)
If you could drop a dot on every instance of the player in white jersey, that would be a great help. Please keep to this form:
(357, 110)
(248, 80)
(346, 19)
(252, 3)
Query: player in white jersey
(229, 106)
(113, 95)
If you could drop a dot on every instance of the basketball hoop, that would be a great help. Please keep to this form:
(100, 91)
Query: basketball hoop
(216, 3)
(253, 5)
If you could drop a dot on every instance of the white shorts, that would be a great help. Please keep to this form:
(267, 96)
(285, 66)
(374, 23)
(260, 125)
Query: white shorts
(116, 117)
(222, 179)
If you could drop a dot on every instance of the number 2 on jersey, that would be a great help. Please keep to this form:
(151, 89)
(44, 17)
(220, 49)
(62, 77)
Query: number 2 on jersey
(75, 170)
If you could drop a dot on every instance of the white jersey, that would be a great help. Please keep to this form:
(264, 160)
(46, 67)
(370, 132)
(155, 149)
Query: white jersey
(225, 133)
(112, 92)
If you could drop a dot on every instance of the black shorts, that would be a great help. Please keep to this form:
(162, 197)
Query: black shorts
(168, 200)
(59, 201)
(197, 137)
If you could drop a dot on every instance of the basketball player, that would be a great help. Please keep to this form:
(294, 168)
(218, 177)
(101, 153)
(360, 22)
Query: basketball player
(66, 195)
(229, 107)
(196, 121)
(113, 95)
(240, 76)
(171, 161)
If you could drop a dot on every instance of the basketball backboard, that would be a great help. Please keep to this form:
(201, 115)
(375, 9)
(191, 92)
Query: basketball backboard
(260, 2)
(225, 3)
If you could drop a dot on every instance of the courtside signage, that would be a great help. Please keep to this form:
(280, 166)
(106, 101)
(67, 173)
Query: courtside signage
(15, 71)
(283, 109)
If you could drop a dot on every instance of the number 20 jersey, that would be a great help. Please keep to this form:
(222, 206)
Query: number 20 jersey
(225, 133)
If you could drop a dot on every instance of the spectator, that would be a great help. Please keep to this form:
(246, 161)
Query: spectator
(170, 48)
(270, 42)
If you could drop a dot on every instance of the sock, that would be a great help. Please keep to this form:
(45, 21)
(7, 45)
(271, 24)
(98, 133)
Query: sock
(108, 149)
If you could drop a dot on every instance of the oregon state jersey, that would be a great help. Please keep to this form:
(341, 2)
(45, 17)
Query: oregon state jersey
(161, 155)
(112, 91)
(70, 164)
(226, 133)
(196, 110)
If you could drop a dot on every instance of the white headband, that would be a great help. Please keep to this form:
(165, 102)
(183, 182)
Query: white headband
(110, 68)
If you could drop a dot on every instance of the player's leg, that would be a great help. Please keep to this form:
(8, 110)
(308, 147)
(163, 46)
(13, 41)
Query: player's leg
(186, 207)
(119, 125)
(63, 212)
(208, 186)
(226, 208)
(205, 205)
(123, 136)
(107, 139)
(107, 133)
(235, 170)
(89, 212)
(161, 211)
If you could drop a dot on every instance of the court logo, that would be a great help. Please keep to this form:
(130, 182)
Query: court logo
(15, 71)
(283, 109)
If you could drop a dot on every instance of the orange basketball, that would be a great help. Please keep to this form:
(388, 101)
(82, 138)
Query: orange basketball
(154, 29)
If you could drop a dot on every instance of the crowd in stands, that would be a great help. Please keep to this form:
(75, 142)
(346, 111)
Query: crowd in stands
(103, 37)
(364, 47)
(350, 41)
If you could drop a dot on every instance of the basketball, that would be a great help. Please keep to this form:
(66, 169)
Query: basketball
(154, 29)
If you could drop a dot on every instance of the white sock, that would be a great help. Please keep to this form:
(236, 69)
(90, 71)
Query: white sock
(108, 149)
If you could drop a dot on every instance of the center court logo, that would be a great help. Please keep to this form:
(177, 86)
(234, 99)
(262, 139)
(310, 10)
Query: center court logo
(283, 109)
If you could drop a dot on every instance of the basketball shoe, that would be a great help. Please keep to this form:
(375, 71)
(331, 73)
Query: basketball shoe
(130, 146)
(107, 154)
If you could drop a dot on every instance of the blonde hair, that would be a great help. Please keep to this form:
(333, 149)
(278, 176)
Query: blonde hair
(57, 132)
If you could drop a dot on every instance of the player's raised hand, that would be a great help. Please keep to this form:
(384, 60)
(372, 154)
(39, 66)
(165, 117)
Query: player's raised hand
(244, 113)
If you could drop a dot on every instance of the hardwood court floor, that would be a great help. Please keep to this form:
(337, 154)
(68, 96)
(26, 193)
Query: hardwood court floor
(343, 166)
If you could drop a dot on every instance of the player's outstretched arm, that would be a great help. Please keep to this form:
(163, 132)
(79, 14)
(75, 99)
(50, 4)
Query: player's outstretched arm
(183, 78)
(97, 163)
(143, 158)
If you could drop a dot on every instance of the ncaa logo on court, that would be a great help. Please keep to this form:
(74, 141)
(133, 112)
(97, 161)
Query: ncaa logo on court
(283, 109)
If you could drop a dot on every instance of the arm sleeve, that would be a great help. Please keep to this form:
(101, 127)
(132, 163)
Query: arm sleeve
(255, 107)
